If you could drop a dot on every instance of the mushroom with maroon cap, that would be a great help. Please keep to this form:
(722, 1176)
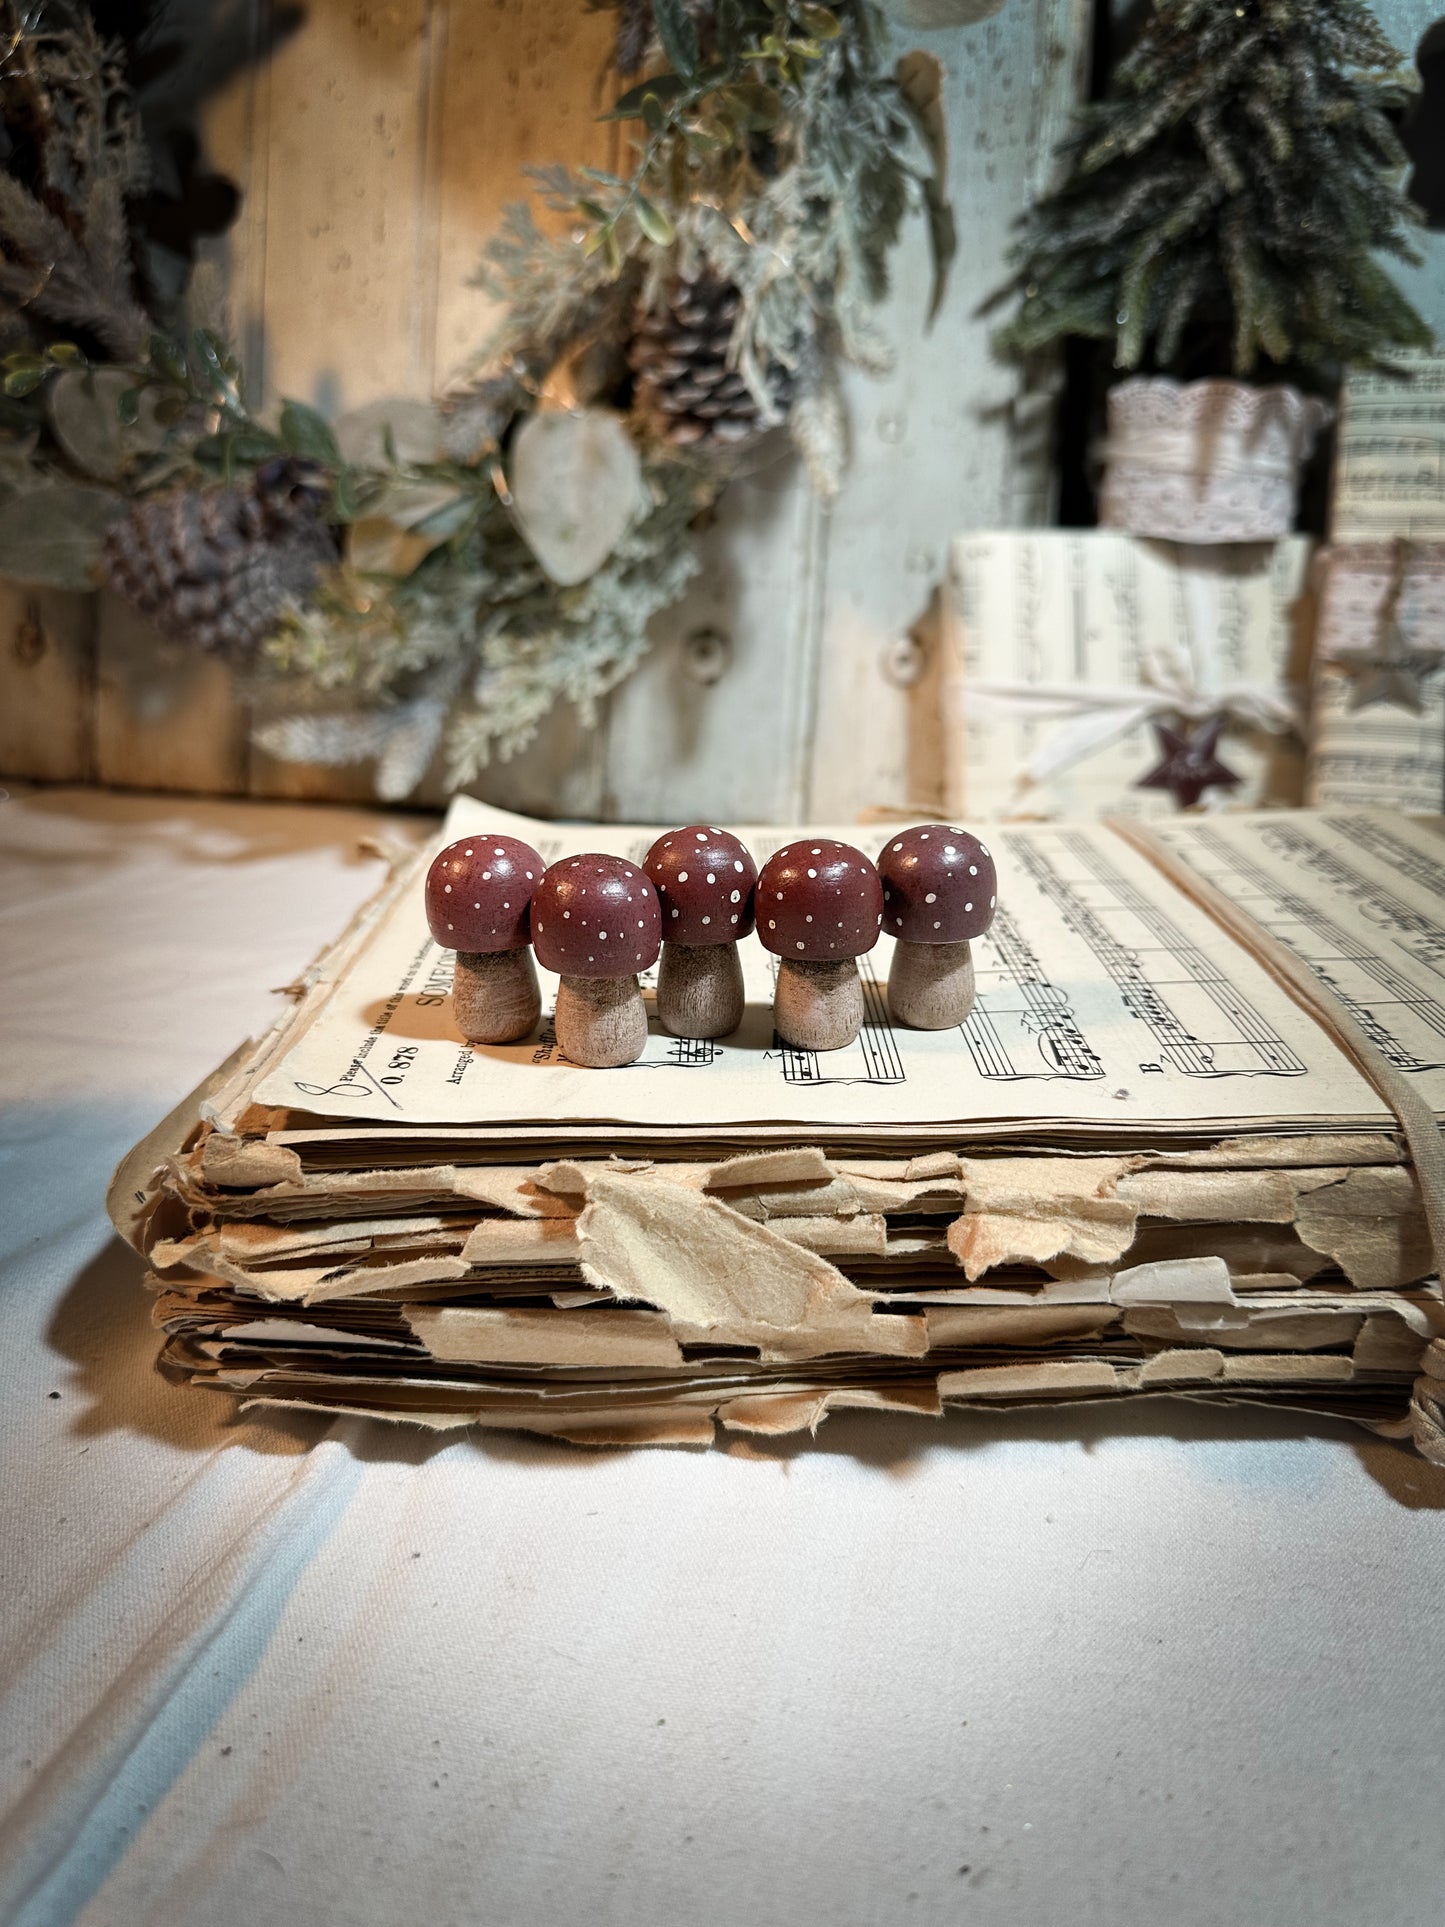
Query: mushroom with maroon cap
(595, 921)
(704, 880)
(478, 892)
(819, 906)
(939, 892)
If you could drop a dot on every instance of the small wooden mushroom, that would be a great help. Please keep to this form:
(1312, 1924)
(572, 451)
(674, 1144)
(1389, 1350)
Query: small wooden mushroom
(478, 892)
(595, 921)
(819, 905)
(704, 880)
(939, 892)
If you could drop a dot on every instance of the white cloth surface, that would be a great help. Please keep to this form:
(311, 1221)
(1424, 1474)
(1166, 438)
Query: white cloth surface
(1119, 1666)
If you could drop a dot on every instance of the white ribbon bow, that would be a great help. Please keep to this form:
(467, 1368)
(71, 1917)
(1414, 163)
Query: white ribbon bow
(1177, 679)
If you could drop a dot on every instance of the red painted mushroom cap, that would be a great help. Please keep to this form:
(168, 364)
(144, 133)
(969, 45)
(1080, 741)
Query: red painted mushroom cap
(939, 885)
(704, 881)
(478, 890)
(596, 916)
(819, 902)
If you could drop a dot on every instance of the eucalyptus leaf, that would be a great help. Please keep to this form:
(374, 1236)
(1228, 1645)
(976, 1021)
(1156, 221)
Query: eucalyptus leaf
(51, 535)
(677, 33)
(662, 87)
(308, 434)
(653, 222)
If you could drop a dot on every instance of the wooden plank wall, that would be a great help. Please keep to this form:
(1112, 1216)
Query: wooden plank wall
(375, 153)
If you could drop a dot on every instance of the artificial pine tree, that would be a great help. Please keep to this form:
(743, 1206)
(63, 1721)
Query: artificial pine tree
(1225, 205)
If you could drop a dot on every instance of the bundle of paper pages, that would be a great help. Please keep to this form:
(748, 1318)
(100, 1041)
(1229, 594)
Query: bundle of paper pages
(1187, 1143)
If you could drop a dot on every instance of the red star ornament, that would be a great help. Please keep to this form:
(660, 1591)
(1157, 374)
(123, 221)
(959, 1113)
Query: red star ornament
(1187, 763)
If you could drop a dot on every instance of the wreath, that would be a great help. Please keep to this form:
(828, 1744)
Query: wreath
(436, 576)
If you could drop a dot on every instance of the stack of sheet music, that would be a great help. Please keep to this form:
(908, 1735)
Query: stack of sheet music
(1187, 1143)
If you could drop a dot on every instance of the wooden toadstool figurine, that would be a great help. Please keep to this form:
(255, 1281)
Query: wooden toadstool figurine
(704, 880)
(819, 906)
(477, 896)
(939, 892)
(595, 921)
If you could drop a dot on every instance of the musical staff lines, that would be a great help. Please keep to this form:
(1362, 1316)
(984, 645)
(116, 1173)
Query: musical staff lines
(1201, 1023)
(1025, 1027)
(691, 1050)
(1418, 935)
(1405, 1022)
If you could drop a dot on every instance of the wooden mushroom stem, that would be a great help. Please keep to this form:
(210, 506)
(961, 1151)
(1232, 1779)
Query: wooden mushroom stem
(930, 985)
(700, 989)
(818, 1006)
(601, 1021)
(495, 997)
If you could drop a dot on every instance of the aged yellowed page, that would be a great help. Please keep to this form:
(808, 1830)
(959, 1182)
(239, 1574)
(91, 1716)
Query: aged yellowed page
(1106, 997)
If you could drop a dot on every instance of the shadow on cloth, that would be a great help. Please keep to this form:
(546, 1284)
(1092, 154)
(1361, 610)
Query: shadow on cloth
(102, 1325)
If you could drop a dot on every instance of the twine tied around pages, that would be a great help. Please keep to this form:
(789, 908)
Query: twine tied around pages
(1179, 679)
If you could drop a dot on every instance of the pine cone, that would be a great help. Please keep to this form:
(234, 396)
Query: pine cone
(216, 568)
(684, 388)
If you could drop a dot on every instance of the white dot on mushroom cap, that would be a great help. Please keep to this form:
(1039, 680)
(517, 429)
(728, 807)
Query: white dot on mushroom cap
(737, 866)
(736, 897)
(991, 902)
(529, 876)
(932, 897)
(640, 926)
(682, 876)
(968, 906)
(451, 926)
(898, 921)
(602, 934)
(817, 850)
(735, 916)
(476, 906)
(973, 869)
(800, 943)
(566, 913)
(771, 924)
(467, 852)
(780, 896)
(499, 851)
(448, 888)
(702, 836)
(707, 919)
(898, 846)
(805, 920)
(950, 851)
(812, 873)
(712, 876)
